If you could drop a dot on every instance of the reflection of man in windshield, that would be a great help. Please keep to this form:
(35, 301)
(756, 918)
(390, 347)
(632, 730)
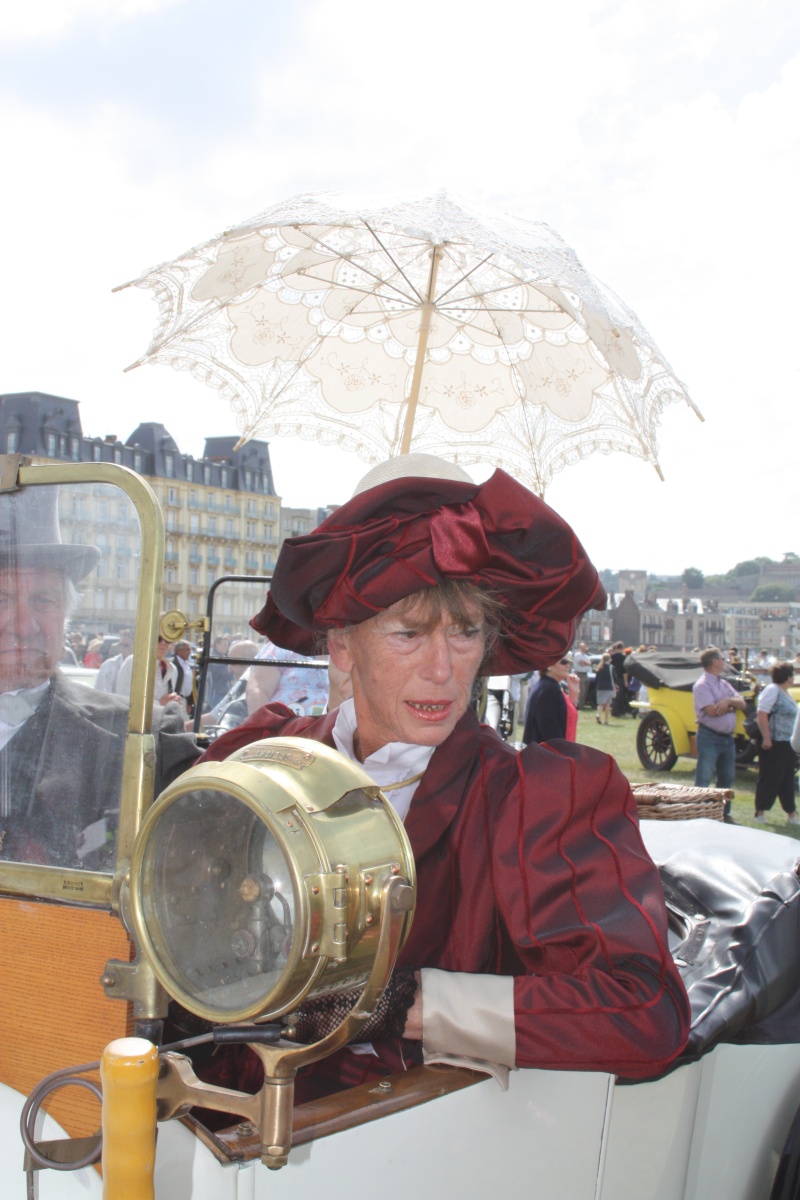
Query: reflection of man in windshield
(33, 604)
(61, 744)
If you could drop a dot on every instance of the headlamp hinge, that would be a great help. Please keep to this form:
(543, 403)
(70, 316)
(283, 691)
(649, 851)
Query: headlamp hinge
(328, 893)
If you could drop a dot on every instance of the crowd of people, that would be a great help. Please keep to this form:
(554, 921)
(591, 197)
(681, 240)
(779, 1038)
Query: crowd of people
(545, 702)
(233, 688)
(557, 692)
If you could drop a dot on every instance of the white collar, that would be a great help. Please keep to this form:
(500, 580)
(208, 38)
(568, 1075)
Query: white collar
(390, 764)
(32, 697)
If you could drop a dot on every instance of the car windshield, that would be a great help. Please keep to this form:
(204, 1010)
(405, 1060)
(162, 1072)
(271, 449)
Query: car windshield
(69, 568)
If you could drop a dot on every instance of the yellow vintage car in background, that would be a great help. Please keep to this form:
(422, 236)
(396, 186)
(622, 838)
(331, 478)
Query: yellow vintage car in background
(667, 728)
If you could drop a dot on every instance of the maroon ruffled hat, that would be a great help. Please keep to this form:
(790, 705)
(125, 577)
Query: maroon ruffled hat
(413, 533)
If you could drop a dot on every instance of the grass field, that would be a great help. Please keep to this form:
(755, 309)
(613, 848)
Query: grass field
(618, 738)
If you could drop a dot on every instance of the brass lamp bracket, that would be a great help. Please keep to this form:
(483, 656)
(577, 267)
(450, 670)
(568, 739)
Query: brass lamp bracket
(271, 1109)
(135, 981)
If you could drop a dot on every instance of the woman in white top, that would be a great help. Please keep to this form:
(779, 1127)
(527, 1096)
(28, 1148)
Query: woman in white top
(777, 717)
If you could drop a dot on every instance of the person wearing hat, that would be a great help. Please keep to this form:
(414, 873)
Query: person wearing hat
(61, 744)
(540, 935)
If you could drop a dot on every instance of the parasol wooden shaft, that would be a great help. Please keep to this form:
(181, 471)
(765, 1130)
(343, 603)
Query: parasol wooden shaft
(422, 346)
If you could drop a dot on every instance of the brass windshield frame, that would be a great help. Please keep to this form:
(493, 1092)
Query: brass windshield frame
(95, 888)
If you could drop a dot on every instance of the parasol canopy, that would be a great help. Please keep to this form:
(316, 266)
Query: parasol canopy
(421, 325)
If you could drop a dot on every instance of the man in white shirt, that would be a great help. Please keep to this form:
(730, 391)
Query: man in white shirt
(184, 677)
(108, 674)
(582, 665)
(164, 691)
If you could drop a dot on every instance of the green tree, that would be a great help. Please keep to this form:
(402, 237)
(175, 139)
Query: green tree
(775, 592)
(692, 578)
(748, 567)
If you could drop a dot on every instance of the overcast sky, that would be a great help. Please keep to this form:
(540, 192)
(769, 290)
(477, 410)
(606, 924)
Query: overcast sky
(659, 138)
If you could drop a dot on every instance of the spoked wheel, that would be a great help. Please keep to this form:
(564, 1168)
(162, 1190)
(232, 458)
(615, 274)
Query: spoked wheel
(746, 750)
(654, 744)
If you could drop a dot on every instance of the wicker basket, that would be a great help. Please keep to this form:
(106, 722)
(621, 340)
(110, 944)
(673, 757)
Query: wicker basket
(674, 802)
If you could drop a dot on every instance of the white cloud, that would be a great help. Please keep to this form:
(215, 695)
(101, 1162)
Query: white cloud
(45, 18)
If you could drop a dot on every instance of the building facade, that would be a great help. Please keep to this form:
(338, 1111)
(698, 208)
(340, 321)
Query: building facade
(221, 513)
(683, 623)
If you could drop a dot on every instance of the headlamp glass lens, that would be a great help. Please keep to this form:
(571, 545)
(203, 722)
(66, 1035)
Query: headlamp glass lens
(218, 900)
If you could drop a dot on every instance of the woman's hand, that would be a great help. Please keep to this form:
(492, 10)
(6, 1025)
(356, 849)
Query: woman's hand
(321, 1015)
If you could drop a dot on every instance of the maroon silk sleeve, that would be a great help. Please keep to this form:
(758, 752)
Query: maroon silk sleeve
(583, 906)
(272, 720)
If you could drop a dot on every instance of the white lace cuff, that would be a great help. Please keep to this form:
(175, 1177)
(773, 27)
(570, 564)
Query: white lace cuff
(470, 1016)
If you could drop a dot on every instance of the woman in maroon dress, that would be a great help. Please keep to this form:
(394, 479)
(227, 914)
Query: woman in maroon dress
(540, 936)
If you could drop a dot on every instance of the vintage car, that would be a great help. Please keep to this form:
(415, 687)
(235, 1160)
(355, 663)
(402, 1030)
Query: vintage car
(668, 727)
(246, 885)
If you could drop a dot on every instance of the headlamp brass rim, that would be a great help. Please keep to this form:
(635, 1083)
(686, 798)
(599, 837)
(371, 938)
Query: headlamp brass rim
(195, 779)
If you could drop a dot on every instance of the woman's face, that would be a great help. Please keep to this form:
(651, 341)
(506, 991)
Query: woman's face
(560, 670)
(411, 681)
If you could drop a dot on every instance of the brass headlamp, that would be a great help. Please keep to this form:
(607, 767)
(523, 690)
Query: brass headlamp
(256, 882)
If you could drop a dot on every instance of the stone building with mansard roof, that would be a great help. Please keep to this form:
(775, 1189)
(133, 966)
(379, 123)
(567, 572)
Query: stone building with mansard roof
(221, 513)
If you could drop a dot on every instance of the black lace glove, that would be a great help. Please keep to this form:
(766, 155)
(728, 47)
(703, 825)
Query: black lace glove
(318, 1017)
